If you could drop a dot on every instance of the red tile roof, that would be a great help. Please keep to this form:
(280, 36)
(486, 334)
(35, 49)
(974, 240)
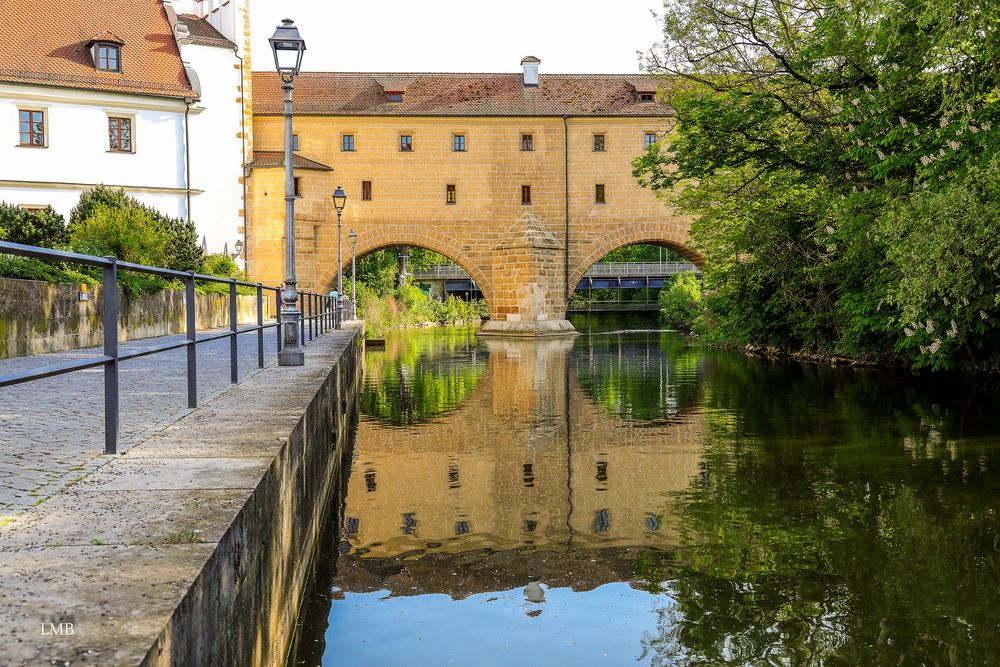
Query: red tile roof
(204, 33)
(44, 42)
(334, 93)
(264, 159)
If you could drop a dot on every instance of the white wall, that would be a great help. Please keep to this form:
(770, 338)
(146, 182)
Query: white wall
(77, 150)
(216, 147)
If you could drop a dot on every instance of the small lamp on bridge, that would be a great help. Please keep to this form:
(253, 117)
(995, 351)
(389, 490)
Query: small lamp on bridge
(239, 249)
(288, 46)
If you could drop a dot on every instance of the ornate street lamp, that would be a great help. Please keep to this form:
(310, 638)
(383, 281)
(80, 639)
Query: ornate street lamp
(288, 48)
(339, 201)
(353, 237)
(239, 249)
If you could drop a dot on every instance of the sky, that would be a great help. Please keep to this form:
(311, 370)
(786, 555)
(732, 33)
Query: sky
(569, 36)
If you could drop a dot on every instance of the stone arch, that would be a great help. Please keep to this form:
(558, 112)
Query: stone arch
(673, 236)
(405, 235)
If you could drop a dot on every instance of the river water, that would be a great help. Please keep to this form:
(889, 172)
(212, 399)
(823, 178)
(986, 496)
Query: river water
(623, 499)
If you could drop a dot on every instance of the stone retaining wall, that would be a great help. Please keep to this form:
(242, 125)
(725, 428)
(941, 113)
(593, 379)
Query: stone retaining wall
(38, 317)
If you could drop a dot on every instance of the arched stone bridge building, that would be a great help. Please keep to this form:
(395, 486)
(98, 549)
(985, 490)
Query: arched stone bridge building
(523, 186)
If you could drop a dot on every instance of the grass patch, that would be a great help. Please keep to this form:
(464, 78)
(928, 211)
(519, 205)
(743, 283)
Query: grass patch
(189, 536)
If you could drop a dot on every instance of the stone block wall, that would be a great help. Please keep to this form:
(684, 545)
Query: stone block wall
(39, 317)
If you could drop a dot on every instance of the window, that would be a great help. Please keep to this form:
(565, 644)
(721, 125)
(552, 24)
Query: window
(108, 57)
(295, 142)
(598, 142)
(529, 474)
(394, 97)
(461, 527)
(530, 525)
(647, 97)
(601, 521)
(370, 480)
(453, 482)
(458, 143)
(449, 194)
(599, 193)
(347, 143)
(120, 134)
(602, 471)
(409, 523)
(406, 143)
(525, 194)
(366, 190)
(650, 139)
(297, 184)
(32, 127)
(527, 142)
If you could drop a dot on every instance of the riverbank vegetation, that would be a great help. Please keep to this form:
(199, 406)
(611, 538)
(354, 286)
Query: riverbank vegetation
(108, 222)
(387, 302)
(844, 169)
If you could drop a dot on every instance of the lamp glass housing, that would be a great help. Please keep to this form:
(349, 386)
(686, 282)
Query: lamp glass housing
(288, 47)
(339, 199)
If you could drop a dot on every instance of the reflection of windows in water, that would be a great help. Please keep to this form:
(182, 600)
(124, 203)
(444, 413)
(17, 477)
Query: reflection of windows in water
(370, 480)
(453, 482)
(703, 473)
(530, 525)
(409, 523)
(601, 521)
(529, 475)
(652, 522)
(351, 525)
(602, 471)
(461, 527)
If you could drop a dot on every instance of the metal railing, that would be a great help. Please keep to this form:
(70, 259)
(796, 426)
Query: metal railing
(318, 313)
(603, 269)
(639, 269)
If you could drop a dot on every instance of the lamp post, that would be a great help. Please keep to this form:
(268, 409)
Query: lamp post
(339, 201)
(288, 48)
(239, 249)
(353, 237)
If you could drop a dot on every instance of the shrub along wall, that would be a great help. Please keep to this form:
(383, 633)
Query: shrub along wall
(38, 317)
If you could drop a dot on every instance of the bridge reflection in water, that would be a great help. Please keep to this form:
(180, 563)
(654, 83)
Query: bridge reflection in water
(523, 446)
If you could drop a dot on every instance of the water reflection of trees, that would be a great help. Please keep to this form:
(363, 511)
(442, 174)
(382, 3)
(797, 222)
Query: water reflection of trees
(422, 376)
(648, 376)
(842, 519)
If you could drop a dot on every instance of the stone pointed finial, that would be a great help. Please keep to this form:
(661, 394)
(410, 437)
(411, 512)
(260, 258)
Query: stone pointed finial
(204, 244)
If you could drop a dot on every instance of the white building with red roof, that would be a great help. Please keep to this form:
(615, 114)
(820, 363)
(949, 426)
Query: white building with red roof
(128, 95)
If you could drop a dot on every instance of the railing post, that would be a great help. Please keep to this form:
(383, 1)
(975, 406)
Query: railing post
(260, 325)
(277, 317)
(234, 373)
(319, 319)
(109, 303)
(192, 352)
(312, 314)
(302, 318)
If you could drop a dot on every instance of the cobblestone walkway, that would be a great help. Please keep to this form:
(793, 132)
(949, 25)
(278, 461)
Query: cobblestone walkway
(52, 430)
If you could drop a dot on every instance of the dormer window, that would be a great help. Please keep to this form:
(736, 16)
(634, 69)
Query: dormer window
(647, 97)
(108, 57)
(394, 96)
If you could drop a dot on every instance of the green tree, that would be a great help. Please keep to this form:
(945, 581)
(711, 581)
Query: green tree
(44, 228)
(809, 140)
(680, 302)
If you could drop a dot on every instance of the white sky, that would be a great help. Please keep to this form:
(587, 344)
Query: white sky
(570, 36)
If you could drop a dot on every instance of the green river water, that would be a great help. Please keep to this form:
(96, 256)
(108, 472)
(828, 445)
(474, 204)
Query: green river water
(620, 498)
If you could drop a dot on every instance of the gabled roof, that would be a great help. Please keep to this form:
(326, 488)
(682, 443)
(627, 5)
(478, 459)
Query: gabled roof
(45, 42)
(265, 159)
(363, 94)
(204, 33)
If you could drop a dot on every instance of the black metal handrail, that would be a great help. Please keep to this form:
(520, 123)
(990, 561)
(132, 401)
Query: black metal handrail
(319, 312)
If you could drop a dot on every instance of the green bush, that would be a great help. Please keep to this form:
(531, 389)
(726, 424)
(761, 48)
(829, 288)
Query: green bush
(680, 303)
(28, 268)
(130, 234)
(181, 249)
(222, 265)
(44, 228)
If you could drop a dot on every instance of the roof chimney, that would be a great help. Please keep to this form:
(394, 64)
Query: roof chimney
(530, 65)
